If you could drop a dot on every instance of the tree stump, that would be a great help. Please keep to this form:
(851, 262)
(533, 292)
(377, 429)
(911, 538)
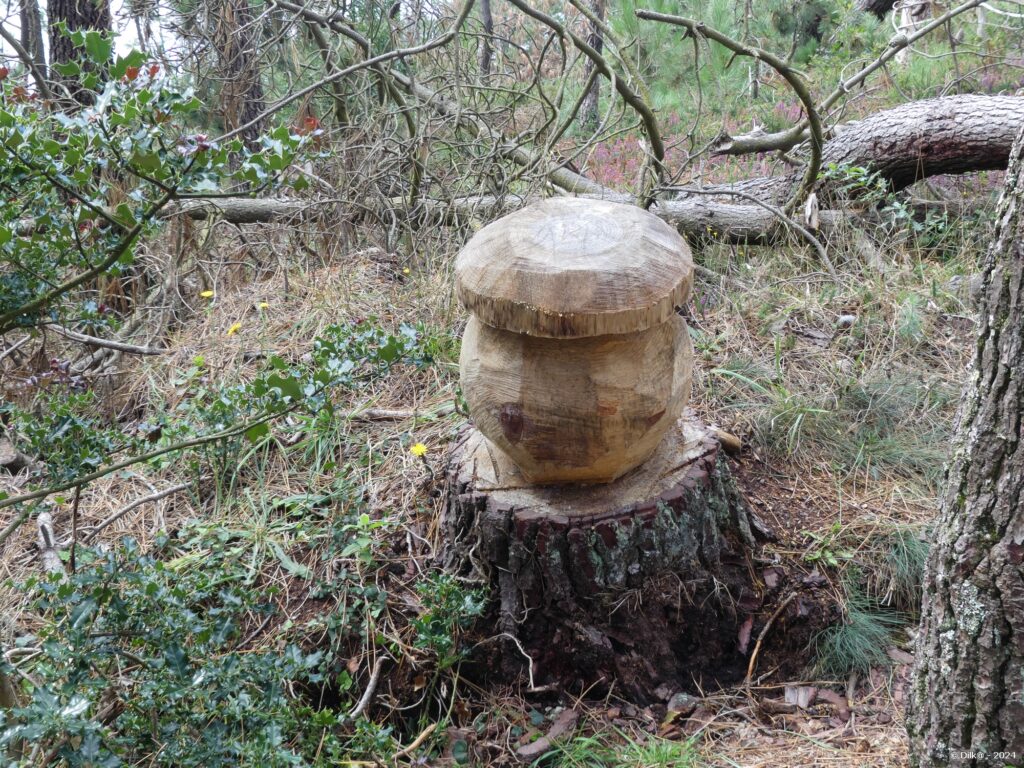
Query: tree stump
(645, 581)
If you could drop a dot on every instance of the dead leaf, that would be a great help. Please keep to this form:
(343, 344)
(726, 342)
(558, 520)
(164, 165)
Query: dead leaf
(811, 727)
(776, 707)
(698, 721)
(683, 704)
(900, 656)
(745, 629)
(814, 579)
(836, 700)
(801, 695)
(565, 721)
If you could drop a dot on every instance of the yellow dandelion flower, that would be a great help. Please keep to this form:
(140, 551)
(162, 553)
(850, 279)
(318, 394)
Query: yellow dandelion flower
(207, 294)
(234, 329)
(405, 271)
(263, 305)
(419, 449)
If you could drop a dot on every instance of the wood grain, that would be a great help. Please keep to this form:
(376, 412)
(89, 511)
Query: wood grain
(570, 268)
(576, 410)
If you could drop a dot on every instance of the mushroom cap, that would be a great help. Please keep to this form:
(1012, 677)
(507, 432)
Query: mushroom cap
(572, 267)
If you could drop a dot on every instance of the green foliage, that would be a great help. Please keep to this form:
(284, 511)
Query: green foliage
(79, 188)
(898, 569)
(599, 751)
(144, 658)
(873, 424)
(448, 607)
(825, 548)
(861, 640)
(63, 433)
(149, 658)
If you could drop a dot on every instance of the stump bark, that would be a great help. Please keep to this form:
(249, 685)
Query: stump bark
(645, 581)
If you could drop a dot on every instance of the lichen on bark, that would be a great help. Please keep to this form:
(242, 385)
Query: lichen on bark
(968, 687)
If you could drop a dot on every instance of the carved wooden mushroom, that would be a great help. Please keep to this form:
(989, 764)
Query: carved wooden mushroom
(574, 362)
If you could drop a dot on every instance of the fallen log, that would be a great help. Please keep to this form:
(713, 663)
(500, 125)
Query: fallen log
(693, 217)
(908, 143)
(244, 210)
(955, 134)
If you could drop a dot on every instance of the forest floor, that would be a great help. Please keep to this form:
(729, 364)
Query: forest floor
(843, 393)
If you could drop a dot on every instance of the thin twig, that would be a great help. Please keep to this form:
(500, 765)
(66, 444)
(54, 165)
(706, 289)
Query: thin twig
(14, 347)
(397, 53)
(761, 636)
(822, 254)
(27, 60)
(371, 687)
(699, 28)
(15, 524)
(424, 735)
(74, 526)
(96, 529)
(625, 91)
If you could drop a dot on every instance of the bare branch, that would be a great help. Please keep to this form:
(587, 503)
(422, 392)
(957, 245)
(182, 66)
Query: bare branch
(624, 90)
(699, 29)
(27, 60)
(119, 346)
(786, 140)
(398, 53)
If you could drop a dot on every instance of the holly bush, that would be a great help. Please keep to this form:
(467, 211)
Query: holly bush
(81, 185)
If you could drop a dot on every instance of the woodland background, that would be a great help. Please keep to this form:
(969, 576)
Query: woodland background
(229, 355)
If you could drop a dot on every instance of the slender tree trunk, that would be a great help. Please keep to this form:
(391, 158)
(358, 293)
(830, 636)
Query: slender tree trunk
(968, 685)
(236, 40)
(76, 15)
(486, 43)
(590, 114)
(32, 33)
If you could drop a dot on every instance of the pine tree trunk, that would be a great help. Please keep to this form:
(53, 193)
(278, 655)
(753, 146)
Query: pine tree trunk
(590, 114)
(237, 42)
(968, 694)
(32, 33)
(77, 15)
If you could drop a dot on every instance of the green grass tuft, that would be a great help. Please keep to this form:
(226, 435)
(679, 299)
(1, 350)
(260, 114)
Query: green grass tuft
(860, 642)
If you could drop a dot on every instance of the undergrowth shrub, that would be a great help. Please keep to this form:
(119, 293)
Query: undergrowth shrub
(145, 658)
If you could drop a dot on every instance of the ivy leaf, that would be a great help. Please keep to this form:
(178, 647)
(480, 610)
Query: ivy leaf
(257, 431)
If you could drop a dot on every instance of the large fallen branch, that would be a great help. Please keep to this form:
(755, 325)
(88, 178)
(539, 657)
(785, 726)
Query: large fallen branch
(953, 134)
(692, 216)
(786, 140)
